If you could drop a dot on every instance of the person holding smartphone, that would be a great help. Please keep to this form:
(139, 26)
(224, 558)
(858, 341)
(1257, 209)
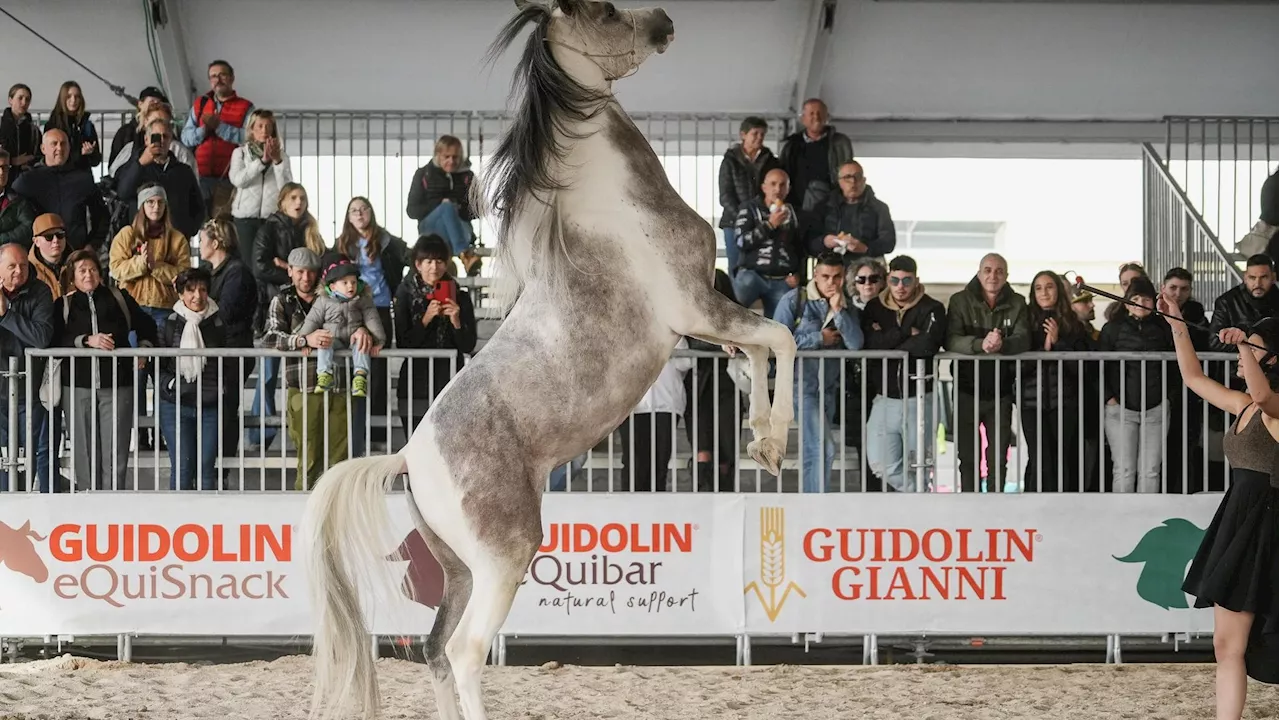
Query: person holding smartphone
(431, 311)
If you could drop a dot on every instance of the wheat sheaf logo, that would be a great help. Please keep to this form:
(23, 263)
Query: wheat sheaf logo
(773, 563)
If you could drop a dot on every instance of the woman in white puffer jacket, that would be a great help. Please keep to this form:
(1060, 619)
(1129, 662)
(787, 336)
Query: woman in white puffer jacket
(259, 169)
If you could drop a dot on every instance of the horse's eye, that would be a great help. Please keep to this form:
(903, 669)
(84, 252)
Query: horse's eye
(609, 11)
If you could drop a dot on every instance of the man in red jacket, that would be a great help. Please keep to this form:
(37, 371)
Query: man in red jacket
(214, 129)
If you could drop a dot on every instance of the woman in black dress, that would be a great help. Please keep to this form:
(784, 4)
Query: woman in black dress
(1235, 569)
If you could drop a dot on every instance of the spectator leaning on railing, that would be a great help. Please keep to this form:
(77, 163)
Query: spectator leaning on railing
(233, 288)
(902, 318)
(1048, 398)
(742, 170)
(987, 319)
(827, 322)
(307, 415)
(98, 393)
(26, 321)
(1136, 410)
(648, 435)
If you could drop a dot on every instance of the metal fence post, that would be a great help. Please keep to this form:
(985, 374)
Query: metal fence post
(922, 452)
(11, 462)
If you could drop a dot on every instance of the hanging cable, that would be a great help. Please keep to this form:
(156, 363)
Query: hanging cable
(117, 89)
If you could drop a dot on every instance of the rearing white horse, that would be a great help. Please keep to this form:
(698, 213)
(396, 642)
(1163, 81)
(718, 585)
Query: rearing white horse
(606, 268)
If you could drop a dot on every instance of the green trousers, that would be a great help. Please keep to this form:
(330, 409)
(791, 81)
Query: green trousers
(311, 456)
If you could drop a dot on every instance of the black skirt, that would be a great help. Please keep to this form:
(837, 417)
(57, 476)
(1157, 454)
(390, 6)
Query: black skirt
(1236, 566)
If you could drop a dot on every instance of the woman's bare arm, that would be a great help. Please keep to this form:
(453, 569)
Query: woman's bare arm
(1212, 392)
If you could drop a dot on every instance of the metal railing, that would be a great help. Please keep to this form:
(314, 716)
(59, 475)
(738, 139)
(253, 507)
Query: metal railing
(1220, 164)
(1175, 235)
(1062, 434)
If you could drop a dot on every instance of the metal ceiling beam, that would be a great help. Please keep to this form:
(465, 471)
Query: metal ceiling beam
(813, 53)
(171, 52)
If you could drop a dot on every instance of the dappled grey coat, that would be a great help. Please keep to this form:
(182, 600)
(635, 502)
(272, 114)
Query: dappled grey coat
(344, 317)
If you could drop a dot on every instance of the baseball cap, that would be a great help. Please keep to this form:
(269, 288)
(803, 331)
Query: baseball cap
(152, 92)
(304, 259)
(46, 223)
(1082, 296)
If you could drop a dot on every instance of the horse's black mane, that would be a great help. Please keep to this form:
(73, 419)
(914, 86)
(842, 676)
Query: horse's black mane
(546, 102)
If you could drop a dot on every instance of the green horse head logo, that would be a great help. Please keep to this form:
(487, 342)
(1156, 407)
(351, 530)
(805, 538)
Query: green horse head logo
(1165, 551)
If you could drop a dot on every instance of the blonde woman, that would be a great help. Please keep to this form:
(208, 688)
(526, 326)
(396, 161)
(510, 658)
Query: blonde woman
(439, 198)
(259, 170)
(147, 255)
(291, 226)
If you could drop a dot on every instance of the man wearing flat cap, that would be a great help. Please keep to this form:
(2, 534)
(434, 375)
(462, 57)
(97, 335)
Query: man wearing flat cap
(306, 413)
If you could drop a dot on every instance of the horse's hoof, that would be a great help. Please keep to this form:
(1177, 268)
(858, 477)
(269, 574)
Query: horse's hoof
(766, 452)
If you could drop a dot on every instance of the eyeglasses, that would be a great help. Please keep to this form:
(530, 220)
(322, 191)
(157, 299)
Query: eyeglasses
(903, 281)
(864, 279)
(54, 235)
(858, 176)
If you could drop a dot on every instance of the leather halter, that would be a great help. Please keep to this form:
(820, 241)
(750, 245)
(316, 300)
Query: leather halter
(631, 54)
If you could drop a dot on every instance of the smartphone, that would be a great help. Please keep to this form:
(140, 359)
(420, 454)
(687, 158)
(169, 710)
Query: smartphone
(444, 290)
(156, 138)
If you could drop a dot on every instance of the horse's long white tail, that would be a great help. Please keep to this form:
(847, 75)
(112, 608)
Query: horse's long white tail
(347, 535)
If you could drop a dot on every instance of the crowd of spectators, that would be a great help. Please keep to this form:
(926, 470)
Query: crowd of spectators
(107, 265)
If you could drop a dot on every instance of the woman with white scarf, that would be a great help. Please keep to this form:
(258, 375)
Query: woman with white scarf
(191, 387)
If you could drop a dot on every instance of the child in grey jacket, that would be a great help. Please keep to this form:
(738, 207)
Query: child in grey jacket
(344, 306)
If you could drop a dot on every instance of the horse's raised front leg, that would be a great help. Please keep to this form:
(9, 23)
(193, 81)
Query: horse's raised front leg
(715, 318)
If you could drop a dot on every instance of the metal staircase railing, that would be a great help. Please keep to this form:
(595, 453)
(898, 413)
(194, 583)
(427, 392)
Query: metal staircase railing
(1174, 234)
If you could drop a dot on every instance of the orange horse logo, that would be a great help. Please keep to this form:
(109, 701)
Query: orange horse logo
(18, 552)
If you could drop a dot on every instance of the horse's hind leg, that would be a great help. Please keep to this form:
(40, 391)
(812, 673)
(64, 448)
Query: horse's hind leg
(717, 319)
(457, 590)
(498, 563)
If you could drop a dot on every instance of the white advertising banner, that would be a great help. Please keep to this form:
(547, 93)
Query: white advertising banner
(158, 563)
(1008, 564)
(634, 564)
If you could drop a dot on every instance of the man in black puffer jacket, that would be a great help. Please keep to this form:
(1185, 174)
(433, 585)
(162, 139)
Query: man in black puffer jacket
(903, 317)
(60, 188)
(16, 214)
(741, 172)
(854, 221)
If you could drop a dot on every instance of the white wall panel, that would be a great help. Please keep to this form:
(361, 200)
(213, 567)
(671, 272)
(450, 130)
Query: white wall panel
(1052, 60)
(426, 55)
(107, 35)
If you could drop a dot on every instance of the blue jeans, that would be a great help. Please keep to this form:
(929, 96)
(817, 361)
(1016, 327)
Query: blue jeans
(179, 428)
(160, 315)
(817, 449)
(445, 222)
(750, 286)
(885, 440)
(324, 360)
(39, 427)
(731, 249)
(264, 402)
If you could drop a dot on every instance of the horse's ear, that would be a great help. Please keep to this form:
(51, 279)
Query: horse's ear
(522, 4)
(567, 6)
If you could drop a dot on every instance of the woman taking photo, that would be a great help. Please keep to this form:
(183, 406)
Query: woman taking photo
(1235, 569)
(1050, 423)
(432, 312)
(97, 394)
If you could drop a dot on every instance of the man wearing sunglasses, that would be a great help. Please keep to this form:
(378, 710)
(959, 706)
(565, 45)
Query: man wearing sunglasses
(16, 214)
(902, 317)
(48, 251)
(855, 223)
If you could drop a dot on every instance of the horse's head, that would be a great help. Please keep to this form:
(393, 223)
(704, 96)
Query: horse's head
(617, 41)
(19, 553)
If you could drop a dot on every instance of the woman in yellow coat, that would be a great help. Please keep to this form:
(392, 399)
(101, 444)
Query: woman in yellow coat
(148, 255)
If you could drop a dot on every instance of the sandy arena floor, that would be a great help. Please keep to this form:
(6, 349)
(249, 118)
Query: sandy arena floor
(64, 688)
